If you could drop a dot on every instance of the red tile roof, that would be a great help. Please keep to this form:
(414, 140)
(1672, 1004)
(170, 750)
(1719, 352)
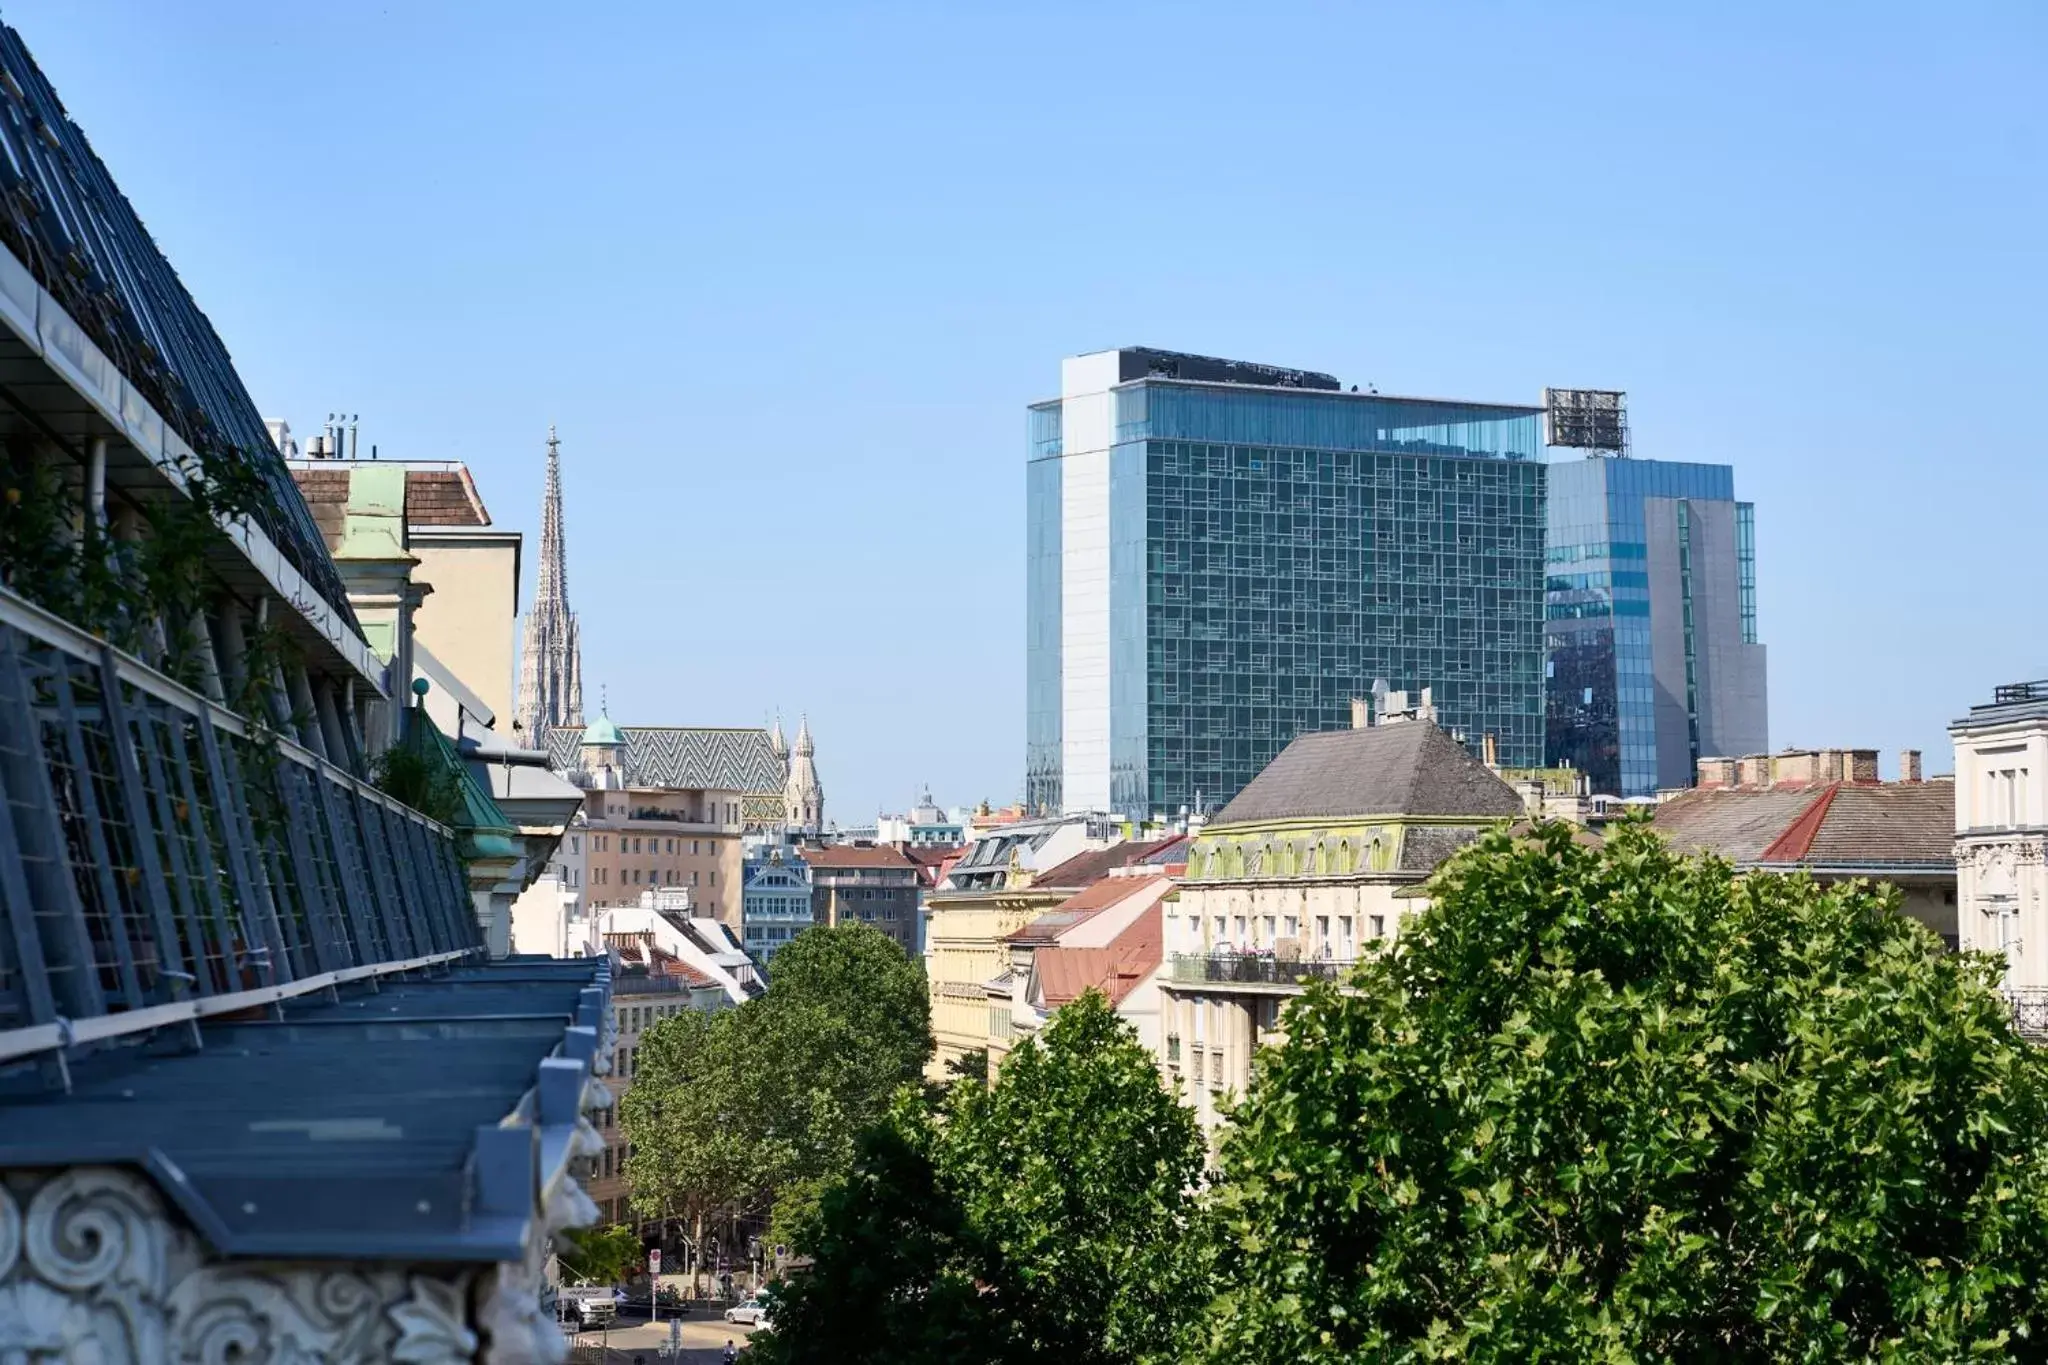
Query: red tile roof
(1064, 973)
(855, 855)
(1084, 869)
(1085, 905)
(433, 497)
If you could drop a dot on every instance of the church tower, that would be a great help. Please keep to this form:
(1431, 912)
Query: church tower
(803, 798)
(551, 662)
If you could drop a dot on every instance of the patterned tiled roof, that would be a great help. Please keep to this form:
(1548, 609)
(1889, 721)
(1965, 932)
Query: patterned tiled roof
(1846, 824)
(737, 760)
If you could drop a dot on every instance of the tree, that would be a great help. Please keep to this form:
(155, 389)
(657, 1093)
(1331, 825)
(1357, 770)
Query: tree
(971, 1065)
(732, 1112)
(861, 976)
(603, 1255)
(1049, 1216)
(1609, 1103)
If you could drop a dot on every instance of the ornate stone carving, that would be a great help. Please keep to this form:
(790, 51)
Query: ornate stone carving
(98, 1272)
(509, 1310)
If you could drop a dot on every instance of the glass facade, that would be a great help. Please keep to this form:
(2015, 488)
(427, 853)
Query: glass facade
(1272, 553)
(1602, 688)
(1042, 611)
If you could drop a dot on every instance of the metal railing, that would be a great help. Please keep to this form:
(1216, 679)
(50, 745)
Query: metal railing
(2029, 1012)
(162, 861)
(1255, 969)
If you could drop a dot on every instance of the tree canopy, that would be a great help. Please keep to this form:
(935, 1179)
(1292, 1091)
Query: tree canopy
(1048, 1216)
(733, 1110)
(600, 1255)
(1610, 1103)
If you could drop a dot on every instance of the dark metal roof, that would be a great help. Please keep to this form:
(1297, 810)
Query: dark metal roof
(64, 218)
(346, 1129)
(1412, 769)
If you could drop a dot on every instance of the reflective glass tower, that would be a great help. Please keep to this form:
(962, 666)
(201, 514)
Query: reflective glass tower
(1221, 556)
(1653, 655)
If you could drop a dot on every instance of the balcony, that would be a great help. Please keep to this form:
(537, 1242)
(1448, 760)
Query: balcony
(2029, 1013)
(1254, 970)
(170, 863)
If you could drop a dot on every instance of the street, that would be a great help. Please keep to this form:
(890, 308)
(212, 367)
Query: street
(639, 1343)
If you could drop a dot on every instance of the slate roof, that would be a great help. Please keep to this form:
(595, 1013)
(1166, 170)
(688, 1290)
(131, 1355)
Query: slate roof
(738, 759)
(1842, 824)
(344, 1130)
(1412, 768)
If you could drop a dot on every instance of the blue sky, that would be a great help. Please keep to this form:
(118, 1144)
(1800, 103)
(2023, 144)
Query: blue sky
(786, 276)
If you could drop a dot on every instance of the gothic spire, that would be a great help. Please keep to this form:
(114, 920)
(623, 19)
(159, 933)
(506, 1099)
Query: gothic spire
(551, 663)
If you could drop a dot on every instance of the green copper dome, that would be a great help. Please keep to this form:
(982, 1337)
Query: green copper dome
(603, 733)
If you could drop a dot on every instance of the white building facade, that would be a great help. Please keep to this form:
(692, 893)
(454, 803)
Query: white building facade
(2002, 837)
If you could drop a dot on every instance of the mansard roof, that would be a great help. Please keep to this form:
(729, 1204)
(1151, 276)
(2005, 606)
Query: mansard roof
(1407, 769)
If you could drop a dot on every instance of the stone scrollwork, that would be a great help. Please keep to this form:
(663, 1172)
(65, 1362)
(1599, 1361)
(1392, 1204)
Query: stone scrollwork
(94, 1270)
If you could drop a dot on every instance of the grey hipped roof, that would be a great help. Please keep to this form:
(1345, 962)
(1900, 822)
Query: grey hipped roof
(693, 759)
(1412, 769)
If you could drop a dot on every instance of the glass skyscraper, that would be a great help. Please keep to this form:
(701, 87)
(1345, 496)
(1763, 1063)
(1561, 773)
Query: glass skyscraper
(1653, 656)
(1223, 555)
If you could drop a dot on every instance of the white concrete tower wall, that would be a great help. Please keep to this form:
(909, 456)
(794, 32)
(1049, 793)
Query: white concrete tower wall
(1087, 430)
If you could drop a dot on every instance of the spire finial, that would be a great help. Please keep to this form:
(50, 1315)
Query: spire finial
(604, 699)
(553, 441)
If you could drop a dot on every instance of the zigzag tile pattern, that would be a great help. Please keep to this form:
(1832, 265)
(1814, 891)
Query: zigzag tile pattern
(738, 760)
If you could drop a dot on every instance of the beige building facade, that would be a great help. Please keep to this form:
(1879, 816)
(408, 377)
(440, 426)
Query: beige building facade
(638, 837)
(995, 889)
(1310, 869)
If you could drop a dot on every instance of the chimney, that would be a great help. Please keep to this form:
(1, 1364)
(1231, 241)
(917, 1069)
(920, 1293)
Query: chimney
(1909, 765)
(1490, 747)
(1361, 714)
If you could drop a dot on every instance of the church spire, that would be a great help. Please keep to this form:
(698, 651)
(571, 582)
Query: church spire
(551, 663)
(803, 796)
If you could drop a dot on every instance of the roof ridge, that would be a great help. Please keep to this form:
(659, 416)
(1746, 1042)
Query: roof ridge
(1793, 845)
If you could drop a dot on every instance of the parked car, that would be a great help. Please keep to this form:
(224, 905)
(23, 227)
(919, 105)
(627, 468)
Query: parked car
(751, 1311)
(586, 1306)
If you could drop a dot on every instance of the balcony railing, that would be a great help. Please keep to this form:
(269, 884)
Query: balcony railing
(2029, 1013)
(1256, 969)
(161, 861)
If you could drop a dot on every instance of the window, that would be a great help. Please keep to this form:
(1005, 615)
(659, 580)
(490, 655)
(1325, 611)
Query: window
(693, 878)
(1379, 926)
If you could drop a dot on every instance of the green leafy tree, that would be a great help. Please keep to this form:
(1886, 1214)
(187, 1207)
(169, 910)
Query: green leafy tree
(1049, 1216)
(604, 1255)
(1612, 1104)
(861, 976)
(757, 1107)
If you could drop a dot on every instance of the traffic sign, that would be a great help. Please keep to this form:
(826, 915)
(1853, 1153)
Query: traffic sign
(654, 1261)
